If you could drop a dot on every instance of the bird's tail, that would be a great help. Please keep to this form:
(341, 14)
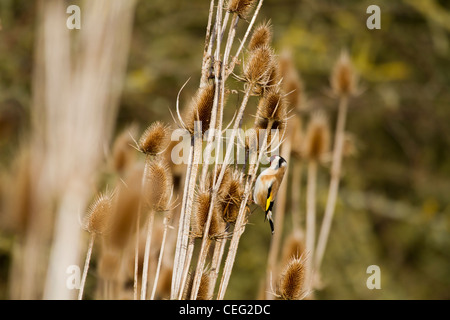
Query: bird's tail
(269, 217)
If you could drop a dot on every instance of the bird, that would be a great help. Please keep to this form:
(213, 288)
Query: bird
(267, 185)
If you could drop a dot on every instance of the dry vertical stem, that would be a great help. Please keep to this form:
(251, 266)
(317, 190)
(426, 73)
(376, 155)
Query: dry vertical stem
(343, 82)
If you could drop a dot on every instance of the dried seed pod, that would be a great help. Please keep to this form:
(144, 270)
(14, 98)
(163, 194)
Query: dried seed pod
(231, 198)
(272, 107)
(259, 66)
(317, 141)
(98, 214)
(158, 184)
(200, 109)
(205, 290)
(292, 280)
(200, 215)
(240, 7)
(343, 78)
(262, 36)
(154, 139)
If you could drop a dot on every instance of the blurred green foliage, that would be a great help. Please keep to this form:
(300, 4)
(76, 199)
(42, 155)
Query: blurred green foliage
(393, 208)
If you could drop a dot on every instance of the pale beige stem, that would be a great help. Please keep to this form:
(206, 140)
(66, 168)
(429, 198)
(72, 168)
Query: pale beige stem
(86, 266)
(189, 254)
(310, 221)
(148, 242)
(161, 254)
(334, 182)
(178, 263)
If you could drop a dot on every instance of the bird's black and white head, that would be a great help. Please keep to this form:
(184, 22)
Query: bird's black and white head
(277, 162)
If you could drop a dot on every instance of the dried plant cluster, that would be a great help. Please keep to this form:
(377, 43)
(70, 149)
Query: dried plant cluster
(168, 231)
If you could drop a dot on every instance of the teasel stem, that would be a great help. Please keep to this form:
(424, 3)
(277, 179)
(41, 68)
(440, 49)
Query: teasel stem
(334, 182)
(177, 266)
(183, 225)
(310, 220)
(148, 241)
(219, 249)
(239, 227)
(161, 254)
(86, 266)
(207, 51)
(280, 208)
(189, 253)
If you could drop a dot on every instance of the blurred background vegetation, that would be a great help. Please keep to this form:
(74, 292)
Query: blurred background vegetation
(393, 208)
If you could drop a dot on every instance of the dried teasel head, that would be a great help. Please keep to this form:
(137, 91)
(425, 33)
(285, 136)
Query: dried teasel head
(271, 107)
(259, 66)
(158, 184)
(155, 139)
(240, 7)
(200, 109)
(98, 214)
(231, 197)
(317, 140)
(343, 78)
(292, 279)
(262, 36)
(202, 203)
(205, 290)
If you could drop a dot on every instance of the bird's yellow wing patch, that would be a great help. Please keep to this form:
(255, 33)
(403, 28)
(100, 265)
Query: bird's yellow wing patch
(269, 200)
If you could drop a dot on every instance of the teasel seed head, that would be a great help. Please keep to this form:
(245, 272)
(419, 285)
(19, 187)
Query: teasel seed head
(98, 214)
(205, 290)
(154, 139)
(272, 106)
(200, 109)
(240, 7)
(223, 185)
(292, 280)
(343, 77)
(231, 198)
(202, 203)
(262, 36)
(259, 66)
(317, 141)
(158, 184)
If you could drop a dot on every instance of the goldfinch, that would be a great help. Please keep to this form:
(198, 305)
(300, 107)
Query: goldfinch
(267, 185)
